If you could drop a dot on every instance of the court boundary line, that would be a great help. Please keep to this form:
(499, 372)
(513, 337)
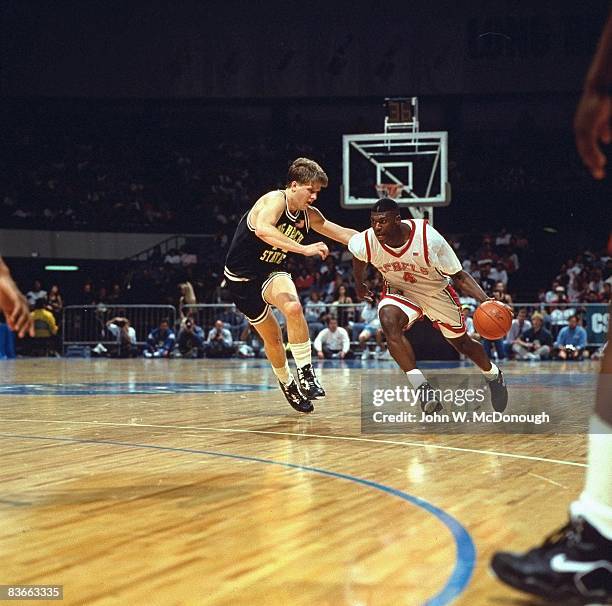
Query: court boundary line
(465, 548)
(310, 435)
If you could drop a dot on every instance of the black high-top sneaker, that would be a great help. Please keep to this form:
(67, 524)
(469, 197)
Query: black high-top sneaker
(295, 397)
(572, 566)
(427, 397)
(499, 393)
(309, 383)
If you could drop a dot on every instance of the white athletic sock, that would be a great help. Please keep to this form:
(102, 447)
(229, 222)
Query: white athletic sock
(416, 378)
(302, 353)
(595, 502)
(492, 374)
(283, 373)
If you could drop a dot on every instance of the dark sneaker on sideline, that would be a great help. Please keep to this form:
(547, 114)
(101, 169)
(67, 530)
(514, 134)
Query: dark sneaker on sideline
(499, 393)
(572, 566)
(295, 397)
(309, 384)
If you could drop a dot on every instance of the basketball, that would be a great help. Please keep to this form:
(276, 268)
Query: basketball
(492, 320)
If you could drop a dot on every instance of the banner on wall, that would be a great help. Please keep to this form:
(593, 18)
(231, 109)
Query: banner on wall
(596, 323)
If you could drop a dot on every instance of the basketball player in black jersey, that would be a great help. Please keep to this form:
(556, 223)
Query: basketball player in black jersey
(255, 272)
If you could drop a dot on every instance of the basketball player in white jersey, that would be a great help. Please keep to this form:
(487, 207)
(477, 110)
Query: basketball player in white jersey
(418, 266)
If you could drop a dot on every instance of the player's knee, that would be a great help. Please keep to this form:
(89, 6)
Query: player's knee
(394, 334)
(390, 325)
(293, 310)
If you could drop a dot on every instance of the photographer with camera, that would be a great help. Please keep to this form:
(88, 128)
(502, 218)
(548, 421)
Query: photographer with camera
(571, 341)
(191, 339)
(125, 334)
(219, 343)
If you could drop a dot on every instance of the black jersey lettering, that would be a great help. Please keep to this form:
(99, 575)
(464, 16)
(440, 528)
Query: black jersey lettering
(250, 257)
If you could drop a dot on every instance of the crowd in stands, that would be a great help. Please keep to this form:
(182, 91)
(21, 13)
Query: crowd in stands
(339, 326)
(136, 179)
(532, 339)
(585, 279)
(126, 175)
(143, 173)
(554, 328)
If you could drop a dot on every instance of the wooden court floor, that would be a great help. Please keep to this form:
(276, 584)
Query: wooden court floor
(190, 482)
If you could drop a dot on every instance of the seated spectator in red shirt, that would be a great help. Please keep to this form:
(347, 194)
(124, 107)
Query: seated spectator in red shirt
(304, 281)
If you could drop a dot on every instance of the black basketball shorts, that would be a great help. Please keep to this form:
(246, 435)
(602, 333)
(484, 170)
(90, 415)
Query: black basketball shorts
(248, 296)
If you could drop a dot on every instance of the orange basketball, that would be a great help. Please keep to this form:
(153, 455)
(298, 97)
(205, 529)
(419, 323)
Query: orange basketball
(492, 320)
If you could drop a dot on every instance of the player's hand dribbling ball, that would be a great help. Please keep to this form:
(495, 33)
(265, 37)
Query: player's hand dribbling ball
(492, 320)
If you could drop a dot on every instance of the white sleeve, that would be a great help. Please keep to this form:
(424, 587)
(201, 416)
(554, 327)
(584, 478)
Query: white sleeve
(441, 254)
(318, 345)
(357, 246)
(346, 342)
(113, 329)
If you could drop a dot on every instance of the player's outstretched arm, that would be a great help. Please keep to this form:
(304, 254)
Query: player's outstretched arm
(13, 304)
(468, 286)
(594, 112)
(328, 228)
(265, 214)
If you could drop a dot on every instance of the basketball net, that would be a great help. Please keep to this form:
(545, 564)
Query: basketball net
(388, 190)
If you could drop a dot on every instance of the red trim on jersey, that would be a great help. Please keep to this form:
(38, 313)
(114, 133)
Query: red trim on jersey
(368, 251)
(453, 293)
(425, 249)
(449, 327)
(401, 252)
(406, 303)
